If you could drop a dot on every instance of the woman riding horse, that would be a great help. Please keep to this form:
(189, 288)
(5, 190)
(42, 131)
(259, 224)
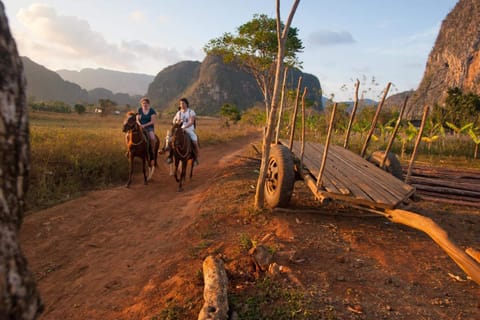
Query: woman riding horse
(137, 146)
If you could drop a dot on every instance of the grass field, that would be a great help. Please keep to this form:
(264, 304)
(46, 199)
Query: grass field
(72, 153)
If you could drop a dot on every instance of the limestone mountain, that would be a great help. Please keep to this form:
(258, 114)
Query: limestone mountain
(454, 60)
(212, 83)
(46, 85)
(115, 81)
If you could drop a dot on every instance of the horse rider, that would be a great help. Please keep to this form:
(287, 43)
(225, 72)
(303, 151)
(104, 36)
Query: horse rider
(146, 118)
(186, 116)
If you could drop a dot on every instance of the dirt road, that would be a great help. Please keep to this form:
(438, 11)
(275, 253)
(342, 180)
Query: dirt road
(93, 256)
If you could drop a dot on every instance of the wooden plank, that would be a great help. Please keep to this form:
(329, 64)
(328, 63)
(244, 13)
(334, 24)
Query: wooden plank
(358, 176)
(348, 177)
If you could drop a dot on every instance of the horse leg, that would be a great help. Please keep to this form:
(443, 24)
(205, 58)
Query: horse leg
(130, 169)
(176, 170)
(191, 169)
(145, 171)
(183, 174)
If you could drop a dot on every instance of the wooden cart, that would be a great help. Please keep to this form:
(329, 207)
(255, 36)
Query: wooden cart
(346, 177)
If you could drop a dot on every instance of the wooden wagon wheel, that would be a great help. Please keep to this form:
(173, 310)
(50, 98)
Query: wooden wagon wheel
(392, 164)
(280, 177)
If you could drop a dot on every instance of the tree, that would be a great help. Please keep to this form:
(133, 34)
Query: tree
(19, 297)
(282, 35)
(80, 108)
(254, 50)
(459, 108)
(106, 105)
(230, 113)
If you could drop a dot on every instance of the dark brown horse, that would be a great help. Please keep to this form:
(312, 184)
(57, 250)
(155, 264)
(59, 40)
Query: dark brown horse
(138, 146)
(182, 147)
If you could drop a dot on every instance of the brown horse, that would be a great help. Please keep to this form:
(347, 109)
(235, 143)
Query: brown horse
(138, 146)
(182, 147)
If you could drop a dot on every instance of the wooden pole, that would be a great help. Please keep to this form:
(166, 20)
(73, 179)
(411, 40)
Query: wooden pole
(394, 133)
(327, 143)
(352, 115)
(294, 116)
(280, 112)
(374, 121)
(417, 142)
(440, 236)
(302, 151)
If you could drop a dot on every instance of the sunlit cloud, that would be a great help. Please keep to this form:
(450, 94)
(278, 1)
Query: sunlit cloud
(330, 38)
(69, 38)
(137, 15)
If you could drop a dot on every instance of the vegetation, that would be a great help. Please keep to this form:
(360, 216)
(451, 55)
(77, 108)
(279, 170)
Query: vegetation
(72, 154)
(254, 49)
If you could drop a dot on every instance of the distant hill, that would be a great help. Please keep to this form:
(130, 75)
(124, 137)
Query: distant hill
(46, 85)
(454, 60)
(208, 85)
(115, 81)
(211, 84)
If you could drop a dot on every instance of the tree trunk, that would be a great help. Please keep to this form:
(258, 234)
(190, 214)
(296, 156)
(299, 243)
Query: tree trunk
(268, 135)
(19, 297)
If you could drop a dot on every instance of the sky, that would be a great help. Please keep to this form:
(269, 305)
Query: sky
(374, 41)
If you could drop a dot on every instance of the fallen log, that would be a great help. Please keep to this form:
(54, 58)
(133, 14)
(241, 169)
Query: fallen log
(450, 183)
(447, 190)
(426, 196)
(440, 236)
(215, 278)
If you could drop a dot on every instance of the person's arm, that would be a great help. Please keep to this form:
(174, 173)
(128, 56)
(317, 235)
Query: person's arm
(191, 120)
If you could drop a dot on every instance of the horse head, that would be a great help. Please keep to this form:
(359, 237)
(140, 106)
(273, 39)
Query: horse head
(130, 121)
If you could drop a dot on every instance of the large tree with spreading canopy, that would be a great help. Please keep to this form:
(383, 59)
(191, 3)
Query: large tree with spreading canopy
(254, 50)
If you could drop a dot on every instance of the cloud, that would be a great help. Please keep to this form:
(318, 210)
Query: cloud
(68, 37)
(61, 41)
(330, 38)
(137, 15)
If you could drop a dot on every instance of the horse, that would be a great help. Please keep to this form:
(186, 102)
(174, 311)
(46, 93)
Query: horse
(183, 151)
(138, 146)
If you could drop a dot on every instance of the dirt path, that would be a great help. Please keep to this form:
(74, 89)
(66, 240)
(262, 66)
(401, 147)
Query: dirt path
(94, 256)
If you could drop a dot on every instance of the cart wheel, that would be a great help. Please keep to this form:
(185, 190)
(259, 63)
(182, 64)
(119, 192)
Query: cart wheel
(392, 164)
(280, 177)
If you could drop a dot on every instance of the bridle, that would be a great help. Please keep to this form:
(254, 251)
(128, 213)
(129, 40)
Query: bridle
(135, 128)
(182, 152)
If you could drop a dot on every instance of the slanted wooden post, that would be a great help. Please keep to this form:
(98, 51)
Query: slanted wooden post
(294, 116)
(325, 149)
(394, 133)
(417, 143)
(215, 290)
(374, 121)
(352, 115)
(302, 151)
(282, 102)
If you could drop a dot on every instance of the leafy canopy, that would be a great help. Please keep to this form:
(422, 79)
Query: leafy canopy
(255, 46)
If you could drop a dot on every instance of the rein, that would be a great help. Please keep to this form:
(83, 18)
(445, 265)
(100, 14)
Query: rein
(133, 130)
